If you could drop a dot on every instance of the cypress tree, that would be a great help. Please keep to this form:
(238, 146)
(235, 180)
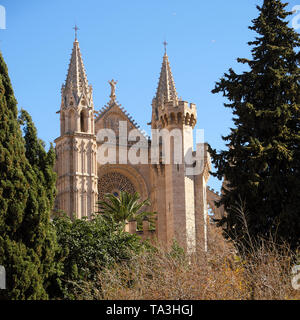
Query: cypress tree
(27, 242)
(261, 165)
(39, 206)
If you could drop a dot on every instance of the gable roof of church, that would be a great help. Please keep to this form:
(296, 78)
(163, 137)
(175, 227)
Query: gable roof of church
(100, 114)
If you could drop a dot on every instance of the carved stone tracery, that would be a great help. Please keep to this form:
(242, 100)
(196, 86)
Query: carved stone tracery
(114, 182)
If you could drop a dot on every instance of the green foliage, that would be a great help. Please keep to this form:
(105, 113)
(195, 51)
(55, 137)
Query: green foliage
(27, 240)
(42, 162)
(261, 166)
(125, 207)
(176, 252)
(89, 246)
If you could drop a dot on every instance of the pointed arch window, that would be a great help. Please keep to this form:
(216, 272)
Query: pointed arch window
(71, 126)
(83, 121)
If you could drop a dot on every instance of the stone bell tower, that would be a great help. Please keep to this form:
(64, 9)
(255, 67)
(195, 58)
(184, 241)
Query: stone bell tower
(76, 147)
(175, 189)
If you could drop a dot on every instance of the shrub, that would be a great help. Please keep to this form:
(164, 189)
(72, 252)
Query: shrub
(89, 247)
(218, 274)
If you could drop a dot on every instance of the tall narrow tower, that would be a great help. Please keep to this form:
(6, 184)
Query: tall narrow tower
(76, 147)
(175, 191)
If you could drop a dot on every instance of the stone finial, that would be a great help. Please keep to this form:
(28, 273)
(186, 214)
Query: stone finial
(113, 91)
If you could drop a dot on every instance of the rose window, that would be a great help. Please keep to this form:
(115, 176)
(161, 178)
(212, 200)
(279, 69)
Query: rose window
(114, 182)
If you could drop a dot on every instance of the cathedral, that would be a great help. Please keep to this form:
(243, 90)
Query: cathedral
(180, 200)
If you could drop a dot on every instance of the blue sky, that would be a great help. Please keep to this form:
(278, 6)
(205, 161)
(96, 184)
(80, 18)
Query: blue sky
(123, 40)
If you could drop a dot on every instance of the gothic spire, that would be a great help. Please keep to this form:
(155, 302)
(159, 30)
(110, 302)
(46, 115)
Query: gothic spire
(166, 90)
(76, 78)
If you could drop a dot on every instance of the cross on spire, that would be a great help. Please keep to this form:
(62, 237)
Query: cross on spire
(165, 43)
(76, 29)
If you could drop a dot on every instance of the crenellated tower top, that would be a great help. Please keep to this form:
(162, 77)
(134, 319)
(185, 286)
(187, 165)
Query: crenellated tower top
(167, 108)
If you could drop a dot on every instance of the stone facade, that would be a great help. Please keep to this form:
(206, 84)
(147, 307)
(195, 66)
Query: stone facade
(180, 200)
